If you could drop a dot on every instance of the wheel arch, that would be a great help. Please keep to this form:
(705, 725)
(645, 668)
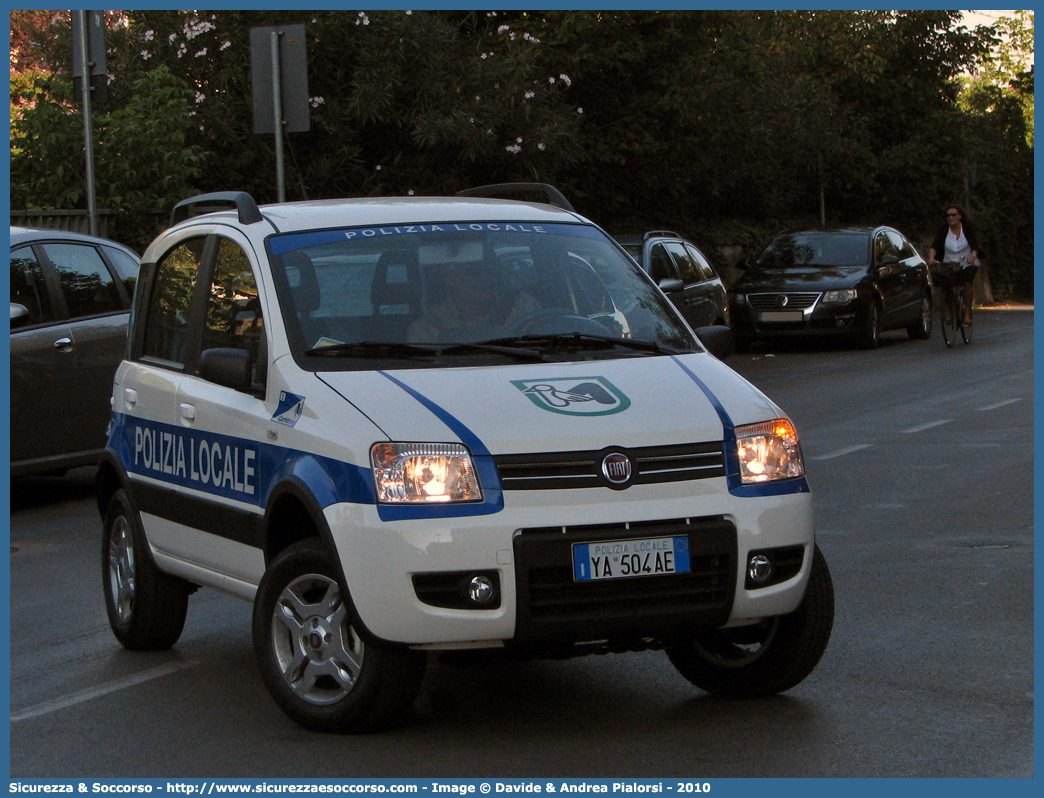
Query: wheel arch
(293, 514)
(110, 477)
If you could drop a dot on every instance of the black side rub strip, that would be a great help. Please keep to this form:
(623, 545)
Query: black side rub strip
(232, 523)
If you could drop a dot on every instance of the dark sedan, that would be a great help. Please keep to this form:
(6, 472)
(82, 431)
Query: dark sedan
(683, 273)
(854, 282)
(70, 300)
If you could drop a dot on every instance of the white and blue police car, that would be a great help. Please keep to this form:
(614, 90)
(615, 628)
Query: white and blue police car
(406, 425)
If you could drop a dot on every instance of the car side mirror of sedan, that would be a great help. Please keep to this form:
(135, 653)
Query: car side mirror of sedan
(718, 340)
(228, 367)
(670, 284)
(19, 315)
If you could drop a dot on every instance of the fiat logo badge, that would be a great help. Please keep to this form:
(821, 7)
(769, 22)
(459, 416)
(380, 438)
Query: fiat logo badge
(616, 468)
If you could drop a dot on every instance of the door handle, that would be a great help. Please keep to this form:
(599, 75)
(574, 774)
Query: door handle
(187, 412)
(64, 344)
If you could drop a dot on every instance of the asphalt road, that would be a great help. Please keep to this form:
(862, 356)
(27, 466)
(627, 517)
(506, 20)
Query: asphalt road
(921, 464)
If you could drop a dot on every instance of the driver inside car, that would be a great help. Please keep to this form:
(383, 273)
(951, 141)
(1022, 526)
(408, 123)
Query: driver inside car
(471, 302)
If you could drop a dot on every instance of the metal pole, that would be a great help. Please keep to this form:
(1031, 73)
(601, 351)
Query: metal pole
(88, 130)
(822, 193)
(277, 115)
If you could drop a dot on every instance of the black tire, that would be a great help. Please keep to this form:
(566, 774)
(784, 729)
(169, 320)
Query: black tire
(146, 607)
(312, 658)
(870, 335)
(966, 329)
(922, 328)
(948, 317)
(762, 660)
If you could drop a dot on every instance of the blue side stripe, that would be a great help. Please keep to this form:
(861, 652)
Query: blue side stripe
(467, 437)
(229, 467)
(246, 470)
(732, 469)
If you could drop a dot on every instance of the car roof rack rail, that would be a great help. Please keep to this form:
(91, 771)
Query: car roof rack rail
(245, 205)
(657, 233)
(550, 194)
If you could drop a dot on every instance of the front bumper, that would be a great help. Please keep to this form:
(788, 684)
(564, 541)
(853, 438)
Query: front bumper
(527, 546)
(834, 318)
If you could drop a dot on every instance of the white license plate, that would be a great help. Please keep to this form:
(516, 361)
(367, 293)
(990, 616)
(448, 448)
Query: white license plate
(619, 559)
(782, 315)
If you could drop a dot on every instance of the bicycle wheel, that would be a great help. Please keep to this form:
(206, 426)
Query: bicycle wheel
(948, 316)
(966, 329)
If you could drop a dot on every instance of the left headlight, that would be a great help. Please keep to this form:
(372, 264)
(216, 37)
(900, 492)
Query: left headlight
(768, 452)
(420, 473)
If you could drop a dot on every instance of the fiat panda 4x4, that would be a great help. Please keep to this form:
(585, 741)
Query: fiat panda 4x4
(407, 425)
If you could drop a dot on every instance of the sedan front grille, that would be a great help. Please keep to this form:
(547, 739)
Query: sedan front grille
(775, 301)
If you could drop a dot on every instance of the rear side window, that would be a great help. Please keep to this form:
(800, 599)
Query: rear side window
(28, 287)
(86, 283)
(903, 247)
(701, 261)
(126, 267)
(166, 319)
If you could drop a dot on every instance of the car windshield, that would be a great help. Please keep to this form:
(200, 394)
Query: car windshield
(417, 293)
(800, 250)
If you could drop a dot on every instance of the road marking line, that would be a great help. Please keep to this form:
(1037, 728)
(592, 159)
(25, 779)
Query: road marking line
(46, 707)
(1000, 404)
(929, 425)
(843, 452)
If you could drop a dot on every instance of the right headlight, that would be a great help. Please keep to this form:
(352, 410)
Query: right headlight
(847, 295)
(768, 452)
(421, 473)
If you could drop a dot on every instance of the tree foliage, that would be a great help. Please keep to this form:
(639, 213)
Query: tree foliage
(725, 125)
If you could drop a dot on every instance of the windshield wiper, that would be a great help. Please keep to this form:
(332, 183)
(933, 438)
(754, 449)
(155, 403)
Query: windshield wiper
(375, 349)
(529, 355)
(585, 341)
(523, 347)
(378, 349)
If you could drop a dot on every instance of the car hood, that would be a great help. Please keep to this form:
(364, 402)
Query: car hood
(818, 278)
(632, 402)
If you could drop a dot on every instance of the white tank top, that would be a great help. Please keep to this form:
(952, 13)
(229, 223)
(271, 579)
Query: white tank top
(957, 247)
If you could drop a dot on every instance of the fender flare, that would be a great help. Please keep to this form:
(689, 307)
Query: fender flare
(296, 485)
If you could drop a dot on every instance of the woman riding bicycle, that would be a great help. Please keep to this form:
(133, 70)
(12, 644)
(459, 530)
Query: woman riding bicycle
(957, 242)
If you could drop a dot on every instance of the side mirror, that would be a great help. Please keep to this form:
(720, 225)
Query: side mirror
(670, 284)
(19, 315)
(717, 340)
(227, 367)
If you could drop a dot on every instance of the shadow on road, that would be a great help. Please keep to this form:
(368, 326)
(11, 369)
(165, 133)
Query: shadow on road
(30, 492)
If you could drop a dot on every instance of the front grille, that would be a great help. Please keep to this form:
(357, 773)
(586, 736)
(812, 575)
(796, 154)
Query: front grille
(557, 470)
(553, 607)
(772, 301)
